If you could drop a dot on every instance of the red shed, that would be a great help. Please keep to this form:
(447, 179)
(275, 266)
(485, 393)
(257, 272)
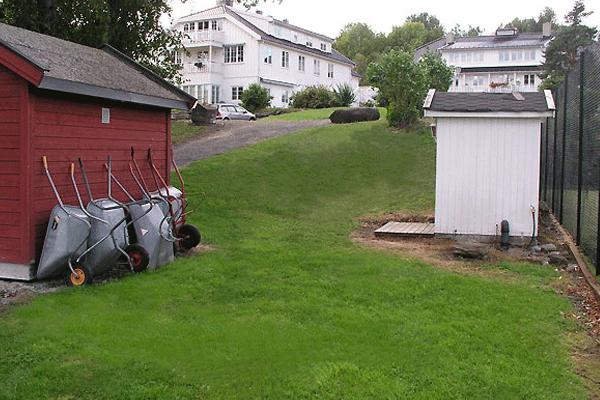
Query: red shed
(65, 101)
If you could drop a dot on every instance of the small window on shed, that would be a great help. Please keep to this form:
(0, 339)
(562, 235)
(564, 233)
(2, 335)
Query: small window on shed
(106, 115)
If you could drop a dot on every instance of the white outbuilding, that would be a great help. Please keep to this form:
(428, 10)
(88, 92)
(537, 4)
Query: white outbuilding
(488, 161)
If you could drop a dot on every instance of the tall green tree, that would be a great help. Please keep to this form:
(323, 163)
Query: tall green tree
(407, 37)
(533, 24)
(131, 26)
(562, 52)
(402, 83)
(471, 30)
(438, 74)
(361, 44)
(432, 24)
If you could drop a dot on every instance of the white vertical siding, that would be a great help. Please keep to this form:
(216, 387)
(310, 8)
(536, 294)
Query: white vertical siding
(487, 171)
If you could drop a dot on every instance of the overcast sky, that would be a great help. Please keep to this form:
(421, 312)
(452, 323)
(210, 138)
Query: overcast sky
(329, 16)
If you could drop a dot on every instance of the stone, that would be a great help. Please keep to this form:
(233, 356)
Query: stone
(548, 248)
(536, 249)
(203, 115)
(572, 267)
(470, 251)
(557, 259)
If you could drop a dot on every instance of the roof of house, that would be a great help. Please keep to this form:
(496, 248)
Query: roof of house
(305, 31)
(434, 45)
(489, 102)
(493, 41)
(334, 55)
(507, 68)
(104, 72)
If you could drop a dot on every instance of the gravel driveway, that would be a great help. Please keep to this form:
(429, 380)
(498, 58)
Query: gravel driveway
(236, 134)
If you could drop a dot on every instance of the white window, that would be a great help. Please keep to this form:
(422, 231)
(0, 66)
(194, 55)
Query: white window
(106, 115)
(203, 25)
(317, 67)
(202, 63)
(469, 57)
(285, 59)
(236, 92)
(234, 54)
(530, 55)
(301, 63)
(323, 46)
(309, 43)
(177, 58)
(529, 79)
(285, 97)
(463, 57)
(330, 70)
(216, 94)
(214, 25)
(186, 27)
(268, 55)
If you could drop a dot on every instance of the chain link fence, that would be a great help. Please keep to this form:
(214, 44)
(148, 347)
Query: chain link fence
(570, 154)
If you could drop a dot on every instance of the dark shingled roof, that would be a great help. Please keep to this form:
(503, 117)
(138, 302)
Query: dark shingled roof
(334, 55)
(488, 102)
(104, 72)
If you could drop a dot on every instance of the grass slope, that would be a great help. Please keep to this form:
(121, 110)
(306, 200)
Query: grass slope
(182, 131)
(287, 306)
(304, 115)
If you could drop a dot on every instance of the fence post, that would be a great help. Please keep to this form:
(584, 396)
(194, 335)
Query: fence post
(598, 230)
(564, 143)
(557, 97)
(580, 160)
(545, 195)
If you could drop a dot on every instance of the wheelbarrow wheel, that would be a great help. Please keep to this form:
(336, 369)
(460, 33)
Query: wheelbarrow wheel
(139, 257)
(189, 237)
(81, 277)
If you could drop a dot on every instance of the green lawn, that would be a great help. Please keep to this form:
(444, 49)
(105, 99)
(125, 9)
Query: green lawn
(304, 115)
(287, 307)
(182, 131)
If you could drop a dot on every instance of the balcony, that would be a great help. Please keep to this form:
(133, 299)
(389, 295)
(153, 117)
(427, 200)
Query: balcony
(203, 38)
(204, 68)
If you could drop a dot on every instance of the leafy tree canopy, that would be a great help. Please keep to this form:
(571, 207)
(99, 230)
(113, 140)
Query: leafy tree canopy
(437, 73)
(433, 26)
(533, 24)
(562, 52)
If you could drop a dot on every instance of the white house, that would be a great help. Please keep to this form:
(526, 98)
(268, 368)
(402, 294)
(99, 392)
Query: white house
(507, 61)
(227, 49)
(487, 161)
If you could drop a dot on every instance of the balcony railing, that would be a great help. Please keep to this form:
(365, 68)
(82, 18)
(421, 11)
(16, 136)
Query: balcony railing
(498, 89)
(208, 37)
(202, 68)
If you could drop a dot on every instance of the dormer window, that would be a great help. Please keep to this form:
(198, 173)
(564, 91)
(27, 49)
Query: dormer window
(309, 43)
(323, 46)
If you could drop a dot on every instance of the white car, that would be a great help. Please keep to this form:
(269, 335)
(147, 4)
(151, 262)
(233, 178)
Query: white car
(228, 112)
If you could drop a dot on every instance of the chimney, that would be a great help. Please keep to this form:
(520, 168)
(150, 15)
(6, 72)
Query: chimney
(547, 29)
(228, 3)
(450, 38)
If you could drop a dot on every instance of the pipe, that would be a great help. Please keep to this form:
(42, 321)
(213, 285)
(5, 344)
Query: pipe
(533, 241)
(505, 235)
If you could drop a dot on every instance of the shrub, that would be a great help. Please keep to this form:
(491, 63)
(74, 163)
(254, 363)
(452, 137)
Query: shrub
(403, 83)
(354, 115)
(314, 97)
(255, 98)
(344, 95)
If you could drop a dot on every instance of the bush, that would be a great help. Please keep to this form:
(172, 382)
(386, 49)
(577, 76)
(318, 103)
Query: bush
(400, 116)
(354, 115)
(255, 98)
(314, 97)
(344, 95)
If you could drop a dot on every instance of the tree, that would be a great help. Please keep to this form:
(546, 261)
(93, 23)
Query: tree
(402, 83)
(407, 37)
(433, 26)
(131, 26)
(535, 25)
(471, 30)
(361, 44)
(438, 74)
(562, 52)
(255, 97)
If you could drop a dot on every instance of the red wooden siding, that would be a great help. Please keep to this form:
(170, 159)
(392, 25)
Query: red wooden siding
(13, 95)
(67, 127)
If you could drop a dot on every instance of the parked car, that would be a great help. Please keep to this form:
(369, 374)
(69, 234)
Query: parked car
(228, 112)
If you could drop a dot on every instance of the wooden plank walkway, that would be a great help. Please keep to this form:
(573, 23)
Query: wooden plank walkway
(406, 229)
